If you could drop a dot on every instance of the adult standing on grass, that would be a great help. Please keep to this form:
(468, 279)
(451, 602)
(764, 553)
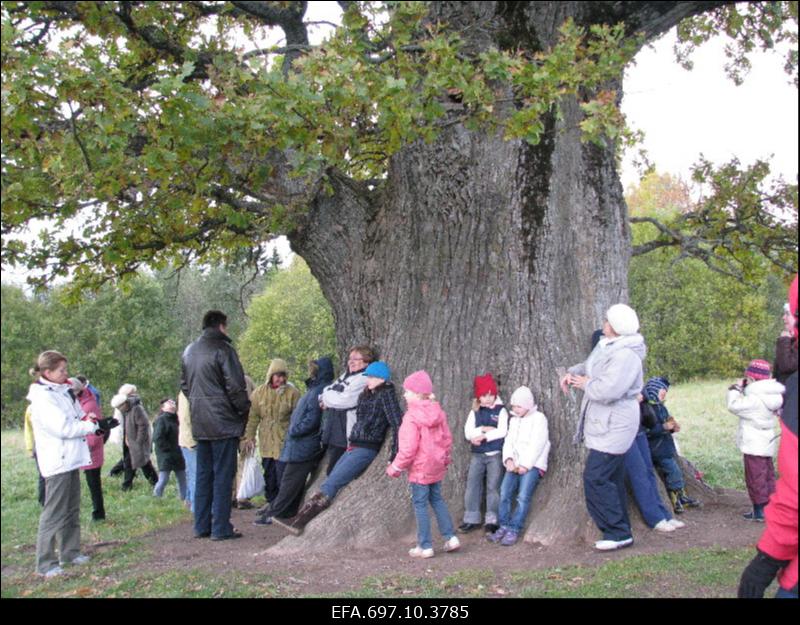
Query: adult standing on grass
(777, 549)
(188, 447)
(60, 428)
(138, 438)
(168, 452)
(213, 381)
(610, 379)
(271, 407)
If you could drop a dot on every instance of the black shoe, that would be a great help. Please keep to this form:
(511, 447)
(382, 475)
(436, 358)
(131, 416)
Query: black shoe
(263, 519)
(491, 528)
(234, 534)
(203, 535)
(468, 527)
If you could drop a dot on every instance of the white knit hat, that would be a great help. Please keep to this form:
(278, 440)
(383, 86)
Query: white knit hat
(118, 400)
(623, 319)
(127, 389)
(523, 397)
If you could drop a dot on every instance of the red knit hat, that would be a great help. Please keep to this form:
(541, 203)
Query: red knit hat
(485, 384)
(759, 370)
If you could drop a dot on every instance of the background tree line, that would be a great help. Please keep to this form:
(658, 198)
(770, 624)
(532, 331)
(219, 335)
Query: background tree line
(138, 334)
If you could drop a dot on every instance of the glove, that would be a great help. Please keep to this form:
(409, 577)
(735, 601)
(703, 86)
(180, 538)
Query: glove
(758, 575)
(391, 471)
(107, 424)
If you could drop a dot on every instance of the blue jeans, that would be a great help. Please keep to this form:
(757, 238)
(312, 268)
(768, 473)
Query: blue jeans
(673, 476)
(639, 470)
(787, 594)
(523, 486)
(489, 468)
(190, 458)
(163, 480)
(216, 470)
(421, 496)
(352, 464)
(604, 488)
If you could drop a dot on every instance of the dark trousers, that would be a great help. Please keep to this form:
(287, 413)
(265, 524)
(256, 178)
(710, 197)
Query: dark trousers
(293, 485)
(604, 487)
(216, 470)
(759, 475)
(273, 473)
(95, 485)
(334, 453)
(40, 489)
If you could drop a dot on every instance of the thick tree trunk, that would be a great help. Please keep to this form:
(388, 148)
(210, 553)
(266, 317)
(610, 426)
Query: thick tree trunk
(477, 255)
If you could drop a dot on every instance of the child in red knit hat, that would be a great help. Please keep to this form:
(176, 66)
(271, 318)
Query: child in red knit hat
(485, 429)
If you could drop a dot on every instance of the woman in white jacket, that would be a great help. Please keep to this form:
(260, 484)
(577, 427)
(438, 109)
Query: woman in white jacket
(525, 451)
(60, 431)
(754, 400)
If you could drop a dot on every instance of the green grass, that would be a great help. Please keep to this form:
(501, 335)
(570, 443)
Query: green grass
(708, 431)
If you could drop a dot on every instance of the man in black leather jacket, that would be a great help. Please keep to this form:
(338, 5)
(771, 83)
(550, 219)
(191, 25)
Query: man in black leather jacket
(213, 381)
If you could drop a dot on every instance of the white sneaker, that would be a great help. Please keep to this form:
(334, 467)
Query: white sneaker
(79, 559)
(664, 526)
(676, 523)
(56, 570)
(611, 545)
(452, 544)
(419, 552)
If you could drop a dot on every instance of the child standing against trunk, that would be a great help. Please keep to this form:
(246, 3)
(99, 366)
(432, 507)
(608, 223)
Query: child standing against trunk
(424, 450)
(485, 429)
(754, 400)
(525, 452)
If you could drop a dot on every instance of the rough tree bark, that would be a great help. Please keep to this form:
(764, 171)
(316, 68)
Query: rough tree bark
(477, 255)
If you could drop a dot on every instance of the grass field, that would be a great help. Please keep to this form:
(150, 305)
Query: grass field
(707, 439)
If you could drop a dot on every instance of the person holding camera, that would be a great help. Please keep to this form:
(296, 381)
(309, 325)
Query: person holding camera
(60, 428)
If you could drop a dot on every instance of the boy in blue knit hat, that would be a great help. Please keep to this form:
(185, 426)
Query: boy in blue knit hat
(662, 447)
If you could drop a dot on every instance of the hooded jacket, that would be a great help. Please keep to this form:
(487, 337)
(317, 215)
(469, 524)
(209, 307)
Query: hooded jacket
(304, 436)
(609, 409)
(528, 441)
(270, 411)
(165, 442)
(58, 431)
(213, 381)
(755, 406)
(425, 442)
(96, 443)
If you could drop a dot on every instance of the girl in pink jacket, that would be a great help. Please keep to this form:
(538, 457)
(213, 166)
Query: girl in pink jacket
(424, 450)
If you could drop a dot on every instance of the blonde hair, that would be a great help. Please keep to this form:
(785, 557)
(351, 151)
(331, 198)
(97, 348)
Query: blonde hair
(47, 361)
(367, 353)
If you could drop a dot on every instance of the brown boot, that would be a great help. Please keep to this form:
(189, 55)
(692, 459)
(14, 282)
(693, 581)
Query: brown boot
(310, 509)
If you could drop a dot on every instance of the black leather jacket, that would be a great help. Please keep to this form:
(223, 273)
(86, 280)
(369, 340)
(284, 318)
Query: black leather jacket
(212, 379)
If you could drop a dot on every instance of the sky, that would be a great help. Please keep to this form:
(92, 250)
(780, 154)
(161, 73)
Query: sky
(684, 114)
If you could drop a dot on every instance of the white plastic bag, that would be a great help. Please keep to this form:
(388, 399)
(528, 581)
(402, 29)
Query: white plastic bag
(116, 434)
(252, 483)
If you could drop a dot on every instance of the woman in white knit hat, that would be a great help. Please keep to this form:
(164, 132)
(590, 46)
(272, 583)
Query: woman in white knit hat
(610, 379)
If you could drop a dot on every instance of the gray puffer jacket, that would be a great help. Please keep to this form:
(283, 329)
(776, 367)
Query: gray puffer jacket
(609, 406)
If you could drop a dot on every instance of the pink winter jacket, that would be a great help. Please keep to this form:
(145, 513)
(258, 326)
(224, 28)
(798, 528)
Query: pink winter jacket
(424, 443)
(95, 441)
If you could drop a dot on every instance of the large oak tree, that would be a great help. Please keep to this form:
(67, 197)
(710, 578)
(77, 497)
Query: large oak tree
(447, 170)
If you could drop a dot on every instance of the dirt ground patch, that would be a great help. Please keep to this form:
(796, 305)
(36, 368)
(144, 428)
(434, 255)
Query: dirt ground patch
(323, 572)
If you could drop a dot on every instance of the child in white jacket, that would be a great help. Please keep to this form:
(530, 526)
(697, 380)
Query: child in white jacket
(754, 400)
(525, 452)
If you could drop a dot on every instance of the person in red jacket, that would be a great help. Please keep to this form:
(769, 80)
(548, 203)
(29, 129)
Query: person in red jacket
(777, 549)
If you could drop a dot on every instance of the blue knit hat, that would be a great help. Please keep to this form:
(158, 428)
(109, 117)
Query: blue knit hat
(378, 369)
(653, 386)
